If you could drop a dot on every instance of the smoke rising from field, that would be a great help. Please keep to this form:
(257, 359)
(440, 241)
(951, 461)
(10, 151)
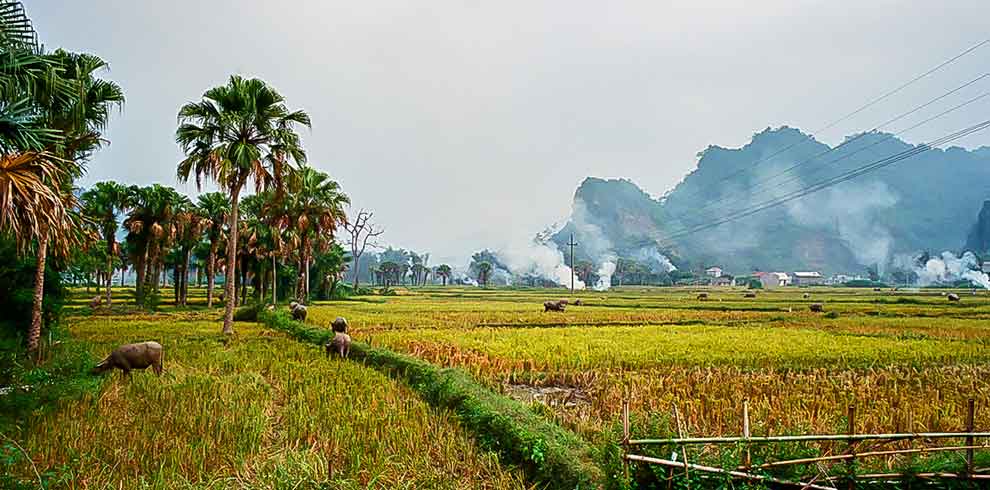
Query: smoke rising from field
(852, 210)
(948, 268)
(533, 258)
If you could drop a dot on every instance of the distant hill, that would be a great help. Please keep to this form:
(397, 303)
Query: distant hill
(926, 202)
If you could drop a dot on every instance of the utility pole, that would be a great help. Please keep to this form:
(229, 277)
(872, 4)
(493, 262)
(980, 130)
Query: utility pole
(572, 244)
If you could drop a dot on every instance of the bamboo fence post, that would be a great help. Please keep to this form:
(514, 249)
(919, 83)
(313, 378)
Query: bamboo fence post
(746, 455)
(680, 434)
(851, 447)
(970, 424)
(625, 436)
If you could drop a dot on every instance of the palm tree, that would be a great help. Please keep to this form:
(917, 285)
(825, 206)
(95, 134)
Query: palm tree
(484, 270)
(187, 228)
(33, 208)
(214, 207)
(316, 207)
(238, 132)
(443, 270)
(149, 223)
(102, 204)
(65, 110)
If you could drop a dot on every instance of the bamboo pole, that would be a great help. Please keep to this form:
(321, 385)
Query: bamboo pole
(625, 435)
(819, 437)
(746, 456)
(970, 419)
(680, 433)
(720, 471)
(851, 446)
(839, 457)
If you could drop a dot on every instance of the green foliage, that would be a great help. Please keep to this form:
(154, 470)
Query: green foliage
(17, 291)
(550, 454)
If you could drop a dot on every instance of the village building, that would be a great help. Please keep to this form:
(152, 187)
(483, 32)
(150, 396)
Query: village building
(722, 281)
(773, 279)
(810, 278)
(714, 271)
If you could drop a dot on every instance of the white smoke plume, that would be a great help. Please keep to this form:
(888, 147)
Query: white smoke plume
(531, 258)
(657, 261)
(605, 272)
(948, 268)
(851, 209)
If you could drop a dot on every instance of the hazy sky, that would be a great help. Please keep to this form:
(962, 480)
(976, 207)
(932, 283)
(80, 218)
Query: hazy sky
(464, 124)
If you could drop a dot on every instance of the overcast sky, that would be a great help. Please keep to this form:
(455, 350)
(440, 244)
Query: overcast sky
(464, 124)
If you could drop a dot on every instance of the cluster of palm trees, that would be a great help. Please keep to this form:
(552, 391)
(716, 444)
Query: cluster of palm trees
(165, 229)
(53, 109)
(242, 133)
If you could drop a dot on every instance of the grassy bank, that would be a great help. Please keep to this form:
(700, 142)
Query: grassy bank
(551, 455)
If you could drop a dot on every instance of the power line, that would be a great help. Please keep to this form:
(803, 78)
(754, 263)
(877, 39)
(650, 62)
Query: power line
(762, 184)
(846, 176)
(855, 112)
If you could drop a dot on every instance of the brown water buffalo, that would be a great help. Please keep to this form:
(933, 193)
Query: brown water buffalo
(553, 306)
(133, 356)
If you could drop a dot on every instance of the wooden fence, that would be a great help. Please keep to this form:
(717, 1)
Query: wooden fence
(822, 479)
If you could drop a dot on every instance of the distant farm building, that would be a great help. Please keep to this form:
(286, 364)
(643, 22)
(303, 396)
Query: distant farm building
(807, 278)
(721, 281)
(714, 272)
(773, 279)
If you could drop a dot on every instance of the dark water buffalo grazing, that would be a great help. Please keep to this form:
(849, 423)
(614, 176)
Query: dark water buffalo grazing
(339, 325)
(816, 307)
(953, 297)
(133, 356)
(749, 294)
(299, 313)
(293, 305)
(578, 302)
(806, 296)
(877, 290)
(702, 296)
(552, 306)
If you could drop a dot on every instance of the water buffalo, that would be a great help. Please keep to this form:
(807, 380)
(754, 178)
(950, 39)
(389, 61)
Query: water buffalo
(339, 325)
(299, 313)
(133, 356)
(953, 297)
(749, 294)
(340, 344)
(702, 296)
(806, 296)
(816, 307)
(552, 306)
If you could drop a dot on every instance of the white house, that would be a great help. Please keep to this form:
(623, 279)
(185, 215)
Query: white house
(775, 279)
(808, 278)
(714, 271)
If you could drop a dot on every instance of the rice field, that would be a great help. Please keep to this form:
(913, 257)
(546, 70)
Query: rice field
(256, 411)
(909, 360)
(265, 411)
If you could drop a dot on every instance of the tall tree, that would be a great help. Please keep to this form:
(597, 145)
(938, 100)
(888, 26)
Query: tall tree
(239, 132)
(362, 233)
(484, 271)
(103, 204)
(316, 207)
(214, 207)
(149, 223)
(443, 270)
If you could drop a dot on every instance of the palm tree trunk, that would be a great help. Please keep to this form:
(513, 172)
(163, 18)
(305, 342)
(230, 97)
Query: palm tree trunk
(228, 315)
(139, 269)
(274, 280)
(185, 278)
(211, 272)
(34, 333)
(109, 269)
